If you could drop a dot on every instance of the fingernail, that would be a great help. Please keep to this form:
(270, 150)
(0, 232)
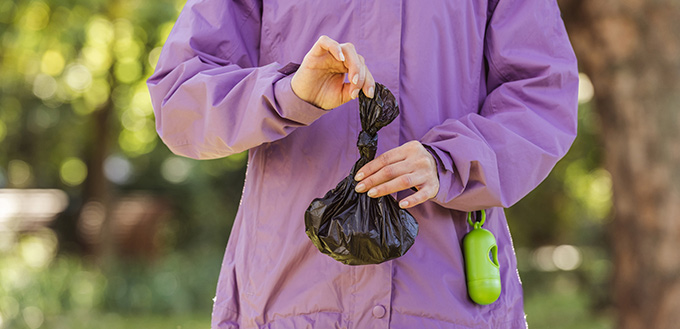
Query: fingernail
(355, 80)
(360, 188)
(342, 56)
(403, 204)
(355, 93)
(372, 193)
(371, 91)
(359, 176)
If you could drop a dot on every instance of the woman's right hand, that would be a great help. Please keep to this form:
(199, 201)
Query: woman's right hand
(320, 80)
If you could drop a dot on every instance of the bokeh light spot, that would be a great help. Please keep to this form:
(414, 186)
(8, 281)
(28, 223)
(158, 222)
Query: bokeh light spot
(90, 222)
(132, 121)
(73, 171)
(97, 59)
(141, 100)
(139, 142)
(37, 16)
(78, 77)
(117, 169)
(33, 317)
(83, 290)
(44, 86)
(98, 93)
(123, 28)
(52, 63)
(127, 49)
(585, 89)
(592, 189)
(38, 250)
(19, 173)
(128, 71)
(567, 258)
(543, 259)
(100, 31)
(43, 118)
(176, 170)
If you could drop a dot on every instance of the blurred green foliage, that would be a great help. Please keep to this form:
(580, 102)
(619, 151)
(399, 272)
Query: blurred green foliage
(69, 65)
(68, 292)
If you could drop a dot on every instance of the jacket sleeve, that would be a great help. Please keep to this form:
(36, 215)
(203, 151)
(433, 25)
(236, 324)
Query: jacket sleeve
(210, 98)
(528, 120)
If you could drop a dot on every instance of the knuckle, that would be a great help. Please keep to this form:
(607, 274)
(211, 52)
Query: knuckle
(406, 180)
(431, 163)
(388, 172)
(409, 147)
(383, 160)
(349, 46)
(371, 168)
(422, 162)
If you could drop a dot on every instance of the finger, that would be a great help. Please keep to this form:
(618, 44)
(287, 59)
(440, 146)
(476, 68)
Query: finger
(327, 45)
(365, 79)
(394, 155)
(424, 194)
(383, 175)
(403, 182)
(354, 68)
(369, 85)
(362, 72)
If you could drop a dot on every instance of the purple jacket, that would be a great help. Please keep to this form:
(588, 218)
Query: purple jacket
(489, 85)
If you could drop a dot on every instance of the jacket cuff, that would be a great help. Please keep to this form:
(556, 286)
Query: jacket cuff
(291, 106)
(448, 183)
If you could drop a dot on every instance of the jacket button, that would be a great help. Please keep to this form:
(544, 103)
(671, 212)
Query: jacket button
(379, 311)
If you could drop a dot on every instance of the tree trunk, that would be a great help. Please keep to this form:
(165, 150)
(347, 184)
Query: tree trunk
(630, 49)
(93, 222)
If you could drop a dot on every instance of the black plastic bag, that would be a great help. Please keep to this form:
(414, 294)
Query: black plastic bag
(351, 227)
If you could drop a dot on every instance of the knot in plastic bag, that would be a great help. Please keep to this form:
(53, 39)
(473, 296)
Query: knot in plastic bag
(367, 146)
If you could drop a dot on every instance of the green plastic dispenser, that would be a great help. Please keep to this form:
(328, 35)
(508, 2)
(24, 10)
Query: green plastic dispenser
(481, 263)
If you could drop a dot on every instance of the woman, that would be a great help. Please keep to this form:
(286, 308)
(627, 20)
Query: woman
(487, 92)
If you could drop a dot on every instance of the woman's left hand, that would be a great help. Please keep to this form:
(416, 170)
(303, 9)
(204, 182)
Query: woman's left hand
(401, 168)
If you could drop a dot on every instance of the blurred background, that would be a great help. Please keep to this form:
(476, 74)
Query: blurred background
(102, 227)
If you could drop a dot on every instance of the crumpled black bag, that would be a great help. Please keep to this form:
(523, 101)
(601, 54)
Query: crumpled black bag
(351, 227)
